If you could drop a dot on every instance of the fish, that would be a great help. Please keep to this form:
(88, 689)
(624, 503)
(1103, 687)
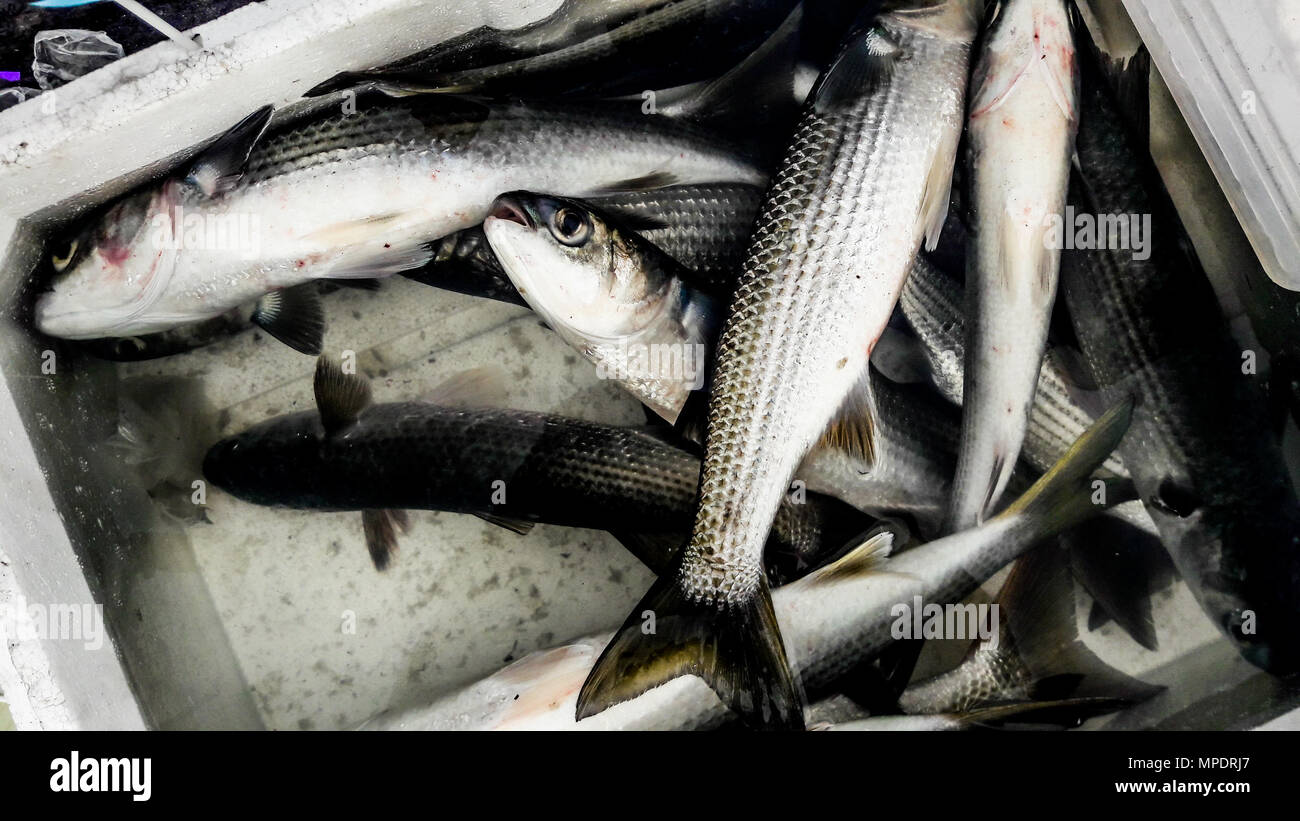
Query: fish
(584, 49)
(172, 341)
(512, 468)
(1023, 116)
(360, 193)
(933, 304)
(834, 618)
(704, 227)
(1036, 653)
(1061, 713)
(865, 180)
(618, 300)
(609, 293)
(1201, 453)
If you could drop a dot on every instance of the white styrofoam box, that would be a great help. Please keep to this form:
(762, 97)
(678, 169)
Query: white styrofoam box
(201, 636)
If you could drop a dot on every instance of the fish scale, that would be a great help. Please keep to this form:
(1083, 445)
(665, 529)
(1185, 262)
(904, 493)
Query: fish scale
(358, 195)
(1201, 453)
(799, 285)
(865, 178)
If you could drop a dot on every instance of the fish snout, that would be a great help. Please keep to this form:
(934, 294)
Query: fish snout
(215, 463)
(52, 317)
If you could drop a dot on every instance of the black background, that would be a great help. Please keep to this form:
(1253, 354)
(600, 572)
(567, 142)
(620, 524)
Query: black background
(718, 774)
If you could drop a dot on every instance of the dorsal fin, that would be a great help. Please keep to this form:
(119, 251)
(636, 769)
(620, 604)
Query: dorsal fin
(221, 164)
(340, 396)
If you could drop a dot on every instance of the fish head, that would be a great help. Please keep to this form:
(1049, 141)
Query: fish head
(271, 463)
(1243, 569)
(578, 269)
(108, 273)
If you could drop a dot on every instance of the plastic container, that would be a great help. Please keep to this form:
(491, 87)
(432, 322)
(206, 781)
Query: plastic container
(1233, 69)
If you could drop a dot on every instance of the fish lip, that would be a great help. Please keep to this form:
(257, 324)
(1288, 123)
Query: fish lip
(49, 323)
(508, 209)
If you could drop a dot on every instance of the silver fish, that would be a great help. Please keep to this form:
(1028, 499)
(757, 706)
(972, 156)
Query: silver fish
(609, 293)
(933, 303)
(633, 312)
(866, 178)
(834, 618)
(1023, 115)
(593, 49)
(1036, 653)
(352, 195)
(1061, 713)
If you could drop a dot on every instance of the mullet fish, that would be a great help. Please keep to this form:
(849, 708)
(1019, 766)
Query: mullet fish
(587, 48)
(834, 618)
(349, 196)
(866, 178)
(1201, 454)
(704, 228)
(609, 293)
(384, 459)
(634, 313)
(1022, 122)
(933, 302)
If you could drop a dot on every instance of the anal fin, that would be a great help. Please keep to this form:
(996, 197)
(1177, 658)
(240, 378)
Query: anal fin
(381, 528)
(520, 526)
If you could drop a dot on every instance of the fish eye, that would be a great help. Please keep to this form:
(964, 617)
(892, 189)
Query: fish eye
(570, 226)
(61, 261)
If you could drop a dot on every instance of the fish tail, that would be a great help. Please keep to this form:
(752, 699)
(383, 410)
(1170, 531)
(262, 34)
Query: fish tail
(1041, 630)
(1067, 494)
(736, 649)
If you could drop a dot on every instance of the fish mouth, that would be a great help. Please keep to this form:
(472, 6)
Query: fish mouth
(72, 323)
(62, 324)
(506, 208)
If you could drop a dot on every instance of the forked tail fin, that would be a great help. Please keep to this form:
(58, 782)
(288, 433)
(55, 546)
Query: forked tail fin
(735, 648)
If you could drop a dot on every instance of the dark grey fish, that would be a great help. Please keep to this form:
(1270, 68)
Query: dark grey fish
(590, 49)
(387, 458)
(1201, 453)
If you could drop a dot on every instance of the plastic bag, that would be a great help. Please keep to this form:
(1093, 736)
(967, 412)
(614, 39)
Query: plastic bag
(63, 55)
(10, 97)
